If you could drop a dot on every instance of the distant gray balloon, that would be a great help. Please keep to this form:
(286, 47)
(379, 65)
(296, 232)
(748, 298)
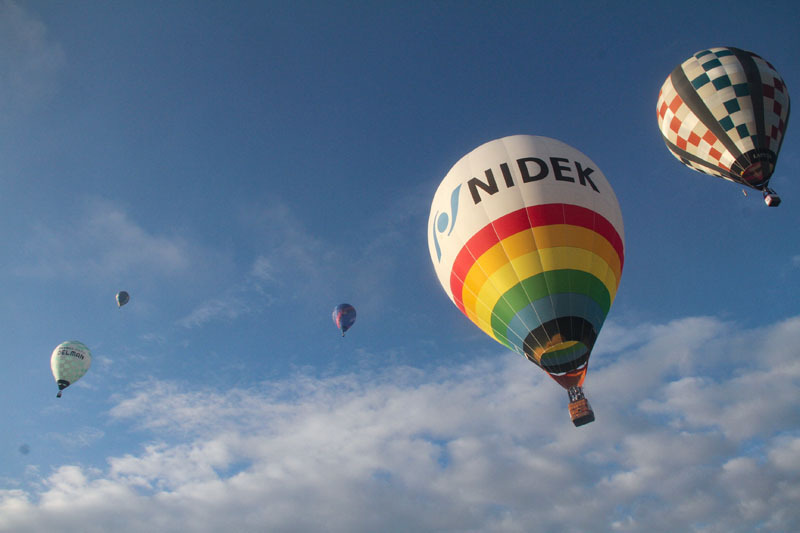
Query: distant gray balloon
(122, 298)
(24, 449)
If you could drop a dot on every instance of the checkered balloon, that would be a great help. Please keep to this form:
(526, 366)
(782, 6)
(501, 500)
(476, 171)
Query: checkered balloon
(724, 112)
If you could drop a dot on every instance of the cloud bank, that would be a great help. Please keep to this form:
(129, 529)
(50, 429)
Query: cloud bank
(698, 429)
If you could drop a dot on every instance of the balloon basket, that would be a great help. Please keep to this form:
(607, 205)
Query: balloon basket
(579, 409)
(581, 412)
(772, 200)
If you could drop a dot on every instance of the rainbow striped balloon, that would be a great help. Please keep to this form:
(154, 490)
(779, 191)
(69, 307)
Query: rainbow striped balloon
(526, 237)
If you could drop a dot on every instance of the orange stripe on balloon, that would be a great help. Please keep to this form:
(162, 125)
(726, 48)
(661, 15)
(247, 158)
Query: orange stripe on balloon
(525, 218)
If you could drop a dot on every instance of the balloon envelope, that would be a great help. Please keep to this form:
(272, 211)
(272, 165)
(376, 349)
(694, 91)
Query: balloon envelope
(69, 362)
(344, 316)
(724, 112)
(526, 237)
(122, 298)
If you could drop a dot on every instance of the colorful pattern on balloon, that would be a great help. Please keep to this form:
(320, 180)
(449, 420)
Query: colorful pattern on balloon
(541, 280)
(724, 112)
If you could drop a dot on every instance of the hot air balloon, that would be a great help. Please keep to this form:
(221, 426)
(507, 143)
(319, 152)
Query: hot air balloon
(526, 238)
(724, 112)
(69, 362)
(344, 315)
(122, 298)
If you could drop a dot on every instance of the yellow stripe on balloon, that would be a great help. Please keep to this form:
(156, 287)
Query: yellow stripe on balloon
(543, 237)
(559, 258)
(477, 314)
(514, 247)
(471, 313)
(579, 237)
(525, 259)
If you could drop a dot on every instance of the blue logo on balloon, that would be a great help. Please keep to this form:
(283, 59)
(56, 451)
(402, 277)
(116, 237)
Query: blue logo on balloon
(444, 222)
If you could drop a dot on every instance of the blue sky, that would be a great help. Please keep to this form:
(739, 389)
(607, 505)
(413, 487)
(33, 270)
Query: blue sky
(241, 170)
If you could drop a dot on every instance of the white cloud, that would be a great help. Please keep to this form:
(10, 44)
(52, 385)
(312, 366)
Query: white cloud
(682, 442)
(248, 296)
(81, 437)
(289, 254)
(262, 269)
(288, 249)
(785, 454)
(292, 259)
(101, 241)
(29, 62)
(228, 308)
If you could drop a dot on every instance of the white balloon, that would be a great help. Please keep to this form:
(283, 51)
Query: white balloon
(69, 362)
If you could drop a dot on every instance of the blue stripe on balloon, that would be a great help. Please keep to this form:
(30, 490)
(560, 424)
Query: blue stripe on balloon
(552, 307)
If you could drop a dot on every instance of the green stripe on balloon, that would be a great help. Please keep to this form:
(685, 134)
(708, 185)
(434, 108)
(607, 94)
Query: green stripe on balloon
(547, 296)
(545, 284)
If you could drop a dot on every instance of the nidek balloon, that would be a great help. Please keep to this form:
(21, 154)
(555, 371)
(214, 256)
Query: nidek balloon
(526, 237)
(724, 112)
(69, 362)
